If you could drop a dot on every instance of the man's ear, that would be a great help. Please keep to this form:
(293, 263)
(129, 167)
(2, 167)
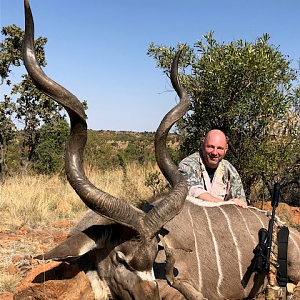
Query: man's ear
(226, 148)
(202, 144)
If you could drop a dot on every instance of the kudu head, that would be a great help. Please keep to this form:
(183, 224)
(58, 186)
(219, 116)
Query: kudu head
(128, 239)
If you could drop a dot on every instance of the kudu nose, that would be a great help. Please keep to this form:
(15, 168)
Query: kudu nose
(146, 290)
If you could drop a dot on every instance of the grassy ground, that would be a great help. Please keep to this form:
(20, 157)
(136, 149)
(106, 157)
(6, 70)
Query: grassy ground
(34, 203)
(39, 199)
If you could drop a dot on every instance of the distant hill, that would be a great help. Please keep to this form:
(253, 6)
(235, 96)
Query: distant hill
(104, 149)
(107, 148)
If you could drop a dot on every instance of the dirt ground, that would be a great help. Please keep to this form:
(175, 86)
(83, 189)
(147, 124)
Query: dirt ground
(18, 248)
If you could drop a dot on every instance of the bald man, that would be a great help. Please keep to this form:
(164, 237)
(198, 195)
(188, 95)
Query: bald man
(209, 176)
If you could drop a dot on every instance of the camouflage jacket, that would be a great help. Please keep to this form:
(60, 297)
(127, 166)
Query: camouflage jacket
(226, 183)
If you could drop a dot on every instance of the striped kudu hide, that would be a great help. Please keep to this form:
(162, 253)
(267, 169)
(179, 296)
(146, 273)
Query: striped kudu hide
(222, 238)
(117, 245)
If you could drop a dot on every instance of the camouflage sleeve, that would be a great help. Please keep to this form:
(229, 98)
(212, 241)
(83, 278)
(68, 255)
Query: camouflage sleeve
(236, 186)
(189, 173)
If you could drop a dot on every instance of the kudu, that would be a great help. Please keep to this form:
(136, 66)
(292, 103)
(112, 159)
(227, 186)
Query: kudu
(123, 250)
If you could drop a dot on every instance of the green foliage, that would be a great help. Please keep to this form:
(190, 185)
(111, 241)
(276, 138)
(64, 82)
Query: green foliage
(11, 50)
(30, 107)
(105, 149)
(108, 149)
(7, 132)
(33, 108)
(246, 90)
(48, 156)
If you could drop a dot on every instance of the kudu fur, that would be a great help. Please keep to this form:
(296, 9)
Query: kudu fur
(123, 249)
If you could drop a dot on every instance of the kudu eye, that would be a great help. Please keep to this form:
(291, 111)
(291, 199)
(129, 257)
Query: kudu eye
(123, 260)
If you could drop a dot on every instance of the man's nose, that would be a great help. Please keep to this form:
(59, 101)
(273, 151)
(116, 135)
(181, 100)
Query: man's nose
(214, 152)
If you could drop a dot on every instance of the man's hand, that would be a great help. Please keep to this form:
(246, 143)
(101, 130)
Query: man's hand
(239, 202)
(208, 197)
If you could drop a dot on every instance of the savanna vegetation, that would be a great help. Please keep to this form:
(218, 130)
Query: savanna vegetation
(34, 130)
(247, 89)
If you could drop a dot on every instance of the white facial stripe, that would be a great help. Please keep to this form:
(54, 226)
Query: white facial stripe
(146, 275)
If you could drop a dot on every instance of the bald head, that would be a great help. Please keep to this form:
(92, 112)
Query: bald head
(214, 148)
(216, 134)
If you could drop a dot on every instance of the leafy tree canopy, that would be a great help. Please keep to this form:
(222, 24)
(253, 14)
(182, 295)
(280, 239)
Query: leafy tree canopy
(11, 50)
(49, 154)
(246, 89)
(26, 103)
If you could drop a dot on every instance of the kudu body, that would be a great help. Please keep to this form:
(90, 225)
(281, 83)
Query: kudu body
(118, 246)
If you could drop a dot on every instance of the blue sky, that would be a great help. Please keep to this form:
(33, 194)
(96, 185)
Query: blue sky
(97, 49)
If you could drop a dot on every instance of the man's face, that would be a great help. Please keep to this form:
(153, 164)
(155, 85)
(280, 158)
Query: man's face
(214, 148)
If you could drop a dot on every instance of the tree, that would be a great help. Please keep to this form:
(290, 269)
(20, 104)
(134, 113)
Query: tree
(246, 90)
(31, 107)
(11, 51)
(49, 153)
(7, 132)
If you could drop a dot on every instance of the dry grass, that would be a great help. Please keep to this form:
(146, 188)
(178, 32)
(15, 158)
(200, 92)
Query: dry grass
(37, 202)
(31, 200)
(8, 282)
(40, 199)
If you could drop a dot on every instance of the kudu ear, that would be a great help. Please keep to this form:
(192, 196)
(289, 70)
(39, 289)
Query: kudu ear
(171, 241)
(75, 246)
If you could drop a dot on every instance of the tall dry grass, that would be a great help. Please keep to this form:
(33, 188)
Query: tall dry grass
(39, 199)
(36, 202)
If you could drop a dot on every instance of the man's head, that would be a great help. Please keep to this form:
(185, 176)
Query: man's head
(214, 147)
